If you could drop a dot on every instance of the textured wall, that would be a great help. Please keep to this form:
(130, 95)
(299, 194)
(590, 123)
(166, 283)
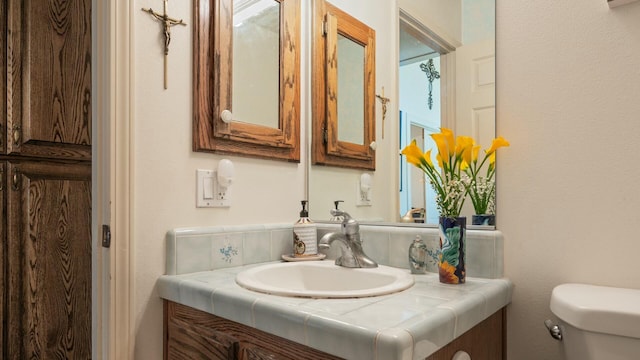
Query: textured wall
(568, 80)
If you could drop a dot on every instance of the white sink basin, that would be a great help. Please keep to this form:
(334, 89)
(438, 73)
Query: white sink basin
(324, 279)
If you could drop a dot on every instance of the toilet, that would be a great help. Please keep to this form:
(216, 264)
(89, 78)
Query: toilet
(597, 322)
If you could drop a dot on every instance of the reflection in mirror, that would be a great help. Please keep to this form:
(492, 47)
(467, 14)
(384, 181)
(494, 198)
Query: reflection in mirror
(459, 36)
(426, 80)
(343, 120)
(421, 82)
(256, 61)
(350, 91)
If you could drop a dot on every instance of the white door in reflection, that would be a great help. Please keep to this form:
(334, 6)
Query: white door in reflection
(418, 121)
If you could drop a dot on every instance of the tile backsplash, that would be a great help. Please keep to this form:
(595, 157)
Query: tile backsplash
(207, 248)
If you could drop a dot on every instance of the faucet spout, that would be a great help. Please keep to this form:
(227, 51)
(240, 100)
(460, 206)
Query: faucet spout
(352, 254)
(347, 259)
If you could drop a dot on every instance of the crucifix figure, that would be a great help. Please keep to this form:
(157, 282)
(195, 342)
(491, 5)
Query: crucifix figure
(384, 101)
(432, 74)
(167, 22)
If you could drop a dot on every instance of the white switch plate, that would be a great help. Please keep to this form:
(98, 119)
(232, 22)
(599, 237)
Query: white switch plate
(208, 193)
(360, 199)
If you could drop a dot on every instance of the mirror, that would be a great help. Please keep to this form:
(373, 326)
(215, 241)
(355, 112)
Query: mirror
(262, 117)
(343, 130)
(459, 36)
(351, 82)
(256, 62)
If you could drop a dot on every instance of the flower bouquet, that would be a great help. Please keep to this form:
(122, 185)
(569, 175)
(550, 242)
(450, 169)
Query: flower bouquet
(482, 186)
(451, 184)
(458, 174)
(449, 181)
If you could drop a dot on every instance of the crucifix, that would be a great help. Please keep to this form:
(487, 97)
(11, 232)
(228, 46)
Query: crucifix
(384, 102)
(167, 22)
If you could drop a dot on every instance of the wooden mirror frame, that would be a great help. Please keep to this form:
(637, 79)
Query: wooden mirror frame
(212, 86)
(327, 149)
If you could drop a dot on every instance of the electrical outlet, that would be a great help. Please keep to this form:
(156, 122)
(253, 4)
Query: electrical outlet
(209, 192)
(222, 194)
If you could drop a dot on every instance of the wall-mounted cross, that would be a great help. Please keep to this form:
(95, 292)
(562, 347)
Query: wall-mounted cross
(383, 101)
(166, 22)
(432, 74)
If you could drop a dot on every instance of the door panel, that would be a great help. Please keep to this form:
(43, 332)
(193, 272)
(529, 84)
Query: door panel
(49, 261)
(48, 77)
(475, 91)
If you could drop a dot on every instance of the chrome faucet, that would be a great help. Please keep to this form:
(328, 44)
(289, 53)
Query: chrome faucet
(350, 243)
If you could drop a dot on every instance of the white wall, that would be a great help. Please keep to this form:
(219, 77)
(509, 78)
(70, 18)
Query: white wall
(264, 191)
(442, 16)
(478, 20)
(568, 80)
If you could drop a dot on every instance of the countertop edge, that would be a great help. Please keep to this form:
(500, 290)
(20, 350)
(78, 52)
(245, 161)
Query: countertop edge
(416, 337)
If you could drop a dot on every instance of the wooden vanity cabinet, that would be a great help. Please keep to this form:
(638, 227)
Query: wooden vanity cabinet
(194, 334)
(485, 341)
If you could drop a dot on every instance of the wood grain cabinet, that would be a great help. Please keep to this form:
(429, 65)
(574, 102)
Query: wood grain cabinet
(45, 179)
(484, 341)
(194, 334)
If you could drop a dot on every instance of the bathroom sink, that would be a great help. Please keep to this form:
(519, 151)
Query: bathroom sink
(324, 279)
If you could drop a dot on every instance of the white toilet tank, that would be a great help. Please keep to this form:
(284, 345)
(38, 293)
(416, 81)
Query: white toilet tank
(598, 322)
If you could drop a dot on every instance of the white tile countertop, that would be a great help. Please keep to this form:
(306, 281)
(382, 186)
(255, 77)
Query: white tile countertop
(411, 324)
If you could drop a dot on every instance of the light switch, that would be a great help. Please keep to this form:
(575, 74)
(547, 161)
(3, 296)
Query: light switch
(207, 188)
(209, 193)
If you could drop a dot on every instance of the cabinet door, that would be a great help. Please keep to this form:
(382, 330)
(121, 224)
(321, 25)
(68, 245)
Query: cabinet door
(484, 341)
(48, 250)
(252, 352)
(189, 339)
(48, 78)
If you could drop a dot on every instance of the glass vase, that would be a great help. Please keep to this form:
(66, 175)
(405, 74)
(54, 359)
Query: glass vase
(451, 265)
(483, 219)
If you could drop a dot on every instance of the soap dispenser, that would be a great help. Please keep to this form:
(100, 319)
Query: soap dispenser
(305, 236)
(418, 256)
(337, 218)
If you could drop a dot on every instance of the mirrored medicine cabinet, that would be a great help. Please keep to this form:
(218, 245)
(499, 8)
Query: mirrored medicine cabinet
(343, 120)
(246, 78)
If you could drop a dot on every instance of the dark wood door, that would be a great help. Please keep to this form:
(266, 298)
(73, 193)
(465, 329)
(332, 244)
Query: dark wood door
(45, 195)
(49, 261)
(48, 78)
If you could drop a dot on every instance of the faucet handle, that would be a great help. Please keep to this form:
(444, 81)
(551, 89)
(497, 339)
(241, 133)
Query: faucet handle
(349, 225)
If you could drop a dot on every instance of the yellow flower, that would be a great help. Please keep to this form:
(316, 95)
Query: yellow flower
(492, 162)
(416, 157)
(495, 144)
(443, 147)
(474, 153)
(448, 134)
(464, 148)
(413, 153)
(427, 157)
